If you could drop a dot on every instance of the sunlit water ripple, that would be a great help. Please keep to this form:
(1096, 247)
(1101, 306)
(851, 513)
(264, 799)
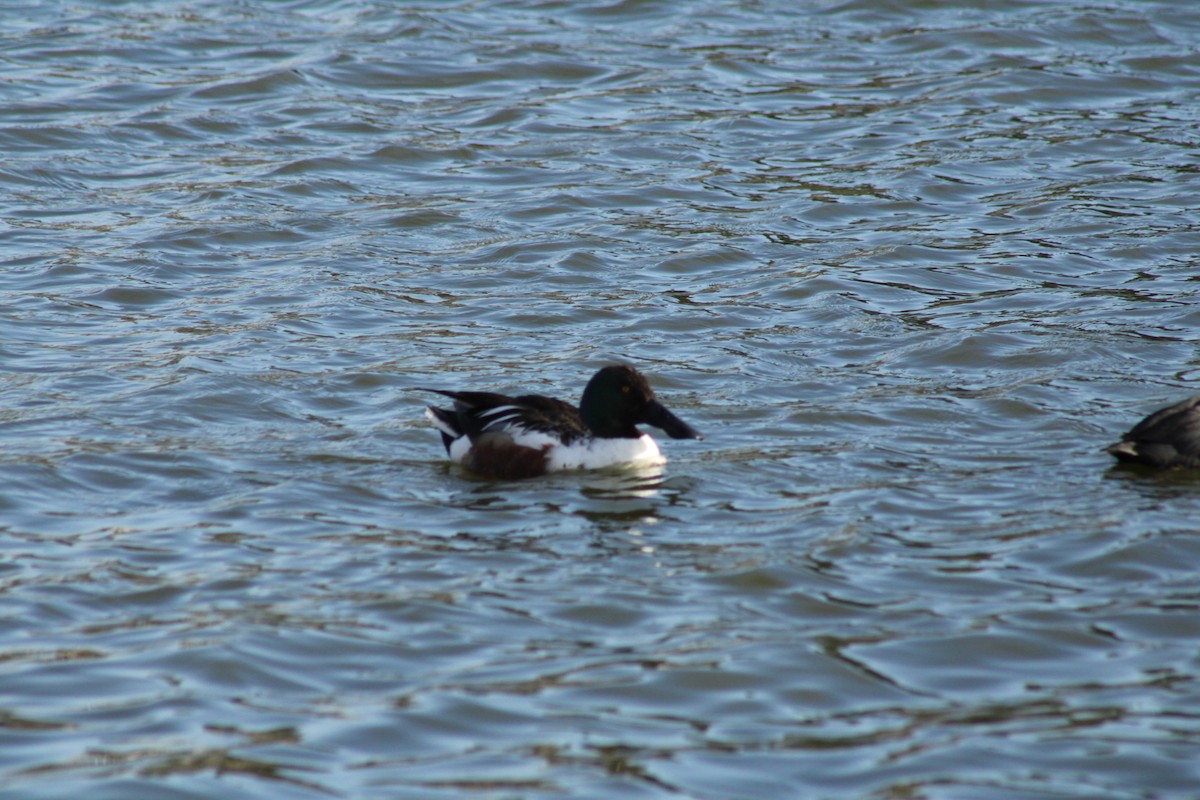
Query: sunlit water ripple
(907, 265)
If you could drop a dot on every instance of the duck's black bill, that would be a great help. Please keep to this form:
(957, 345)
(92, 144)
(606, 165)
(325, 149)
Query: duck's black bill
(658, 416)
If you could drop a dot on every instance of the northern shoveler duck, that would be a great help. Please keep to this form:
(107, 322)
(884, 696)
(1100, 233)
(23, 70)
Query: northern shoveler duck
(1170, 437)
(504, 437)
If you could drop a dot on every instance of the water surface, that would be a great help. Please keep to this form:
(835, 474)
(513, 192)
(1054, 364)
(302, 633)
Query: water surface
(907, 265)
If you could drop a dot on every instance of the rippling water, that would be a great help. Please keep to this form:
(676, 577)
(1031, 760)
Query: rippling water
(908, 265)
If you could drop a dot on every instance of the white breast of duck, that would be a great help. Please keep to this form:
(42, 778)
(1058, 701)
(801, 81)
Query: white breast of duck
(596, 453)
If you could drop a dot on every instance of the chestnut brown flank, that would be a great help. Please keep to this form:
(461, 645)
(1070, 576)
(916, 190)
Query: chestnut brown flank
(496, 455)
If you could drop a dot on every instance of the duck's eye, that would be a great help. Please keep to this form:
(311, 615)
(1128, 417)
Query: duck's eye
(625, 389)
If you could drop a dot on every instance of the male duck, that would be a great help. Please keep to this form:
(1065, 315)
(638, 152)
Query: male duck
(504, 437)
(1170, 437)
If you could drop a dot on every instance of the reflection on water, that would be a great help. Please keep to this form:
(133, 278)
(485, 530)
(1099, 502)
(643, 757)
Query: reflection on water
(1157, 483)
(909, 266)
(624, 483)
(625, 500)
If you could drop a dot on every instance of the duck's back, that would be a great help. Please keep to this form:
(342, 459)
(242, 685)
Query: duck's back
(1170, 437)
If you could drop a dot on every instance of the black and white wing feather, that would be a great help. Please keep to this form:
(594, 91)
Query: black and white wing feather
(529, 419)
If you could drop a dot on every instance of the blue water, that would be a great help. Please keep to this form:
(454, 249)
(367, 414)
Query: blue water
(908, 266)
